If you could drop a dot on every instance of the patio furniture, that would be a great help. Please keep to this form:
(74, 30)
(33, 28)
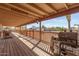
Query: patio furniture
(65, 43)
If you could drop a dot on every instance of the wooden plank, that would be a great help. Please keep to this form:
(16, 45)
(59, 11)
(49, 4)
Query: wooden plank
(26, 49)
(17, 48)
(2, 48)
(22, 46)
(18, 44)
(14, 47)
(11, 48)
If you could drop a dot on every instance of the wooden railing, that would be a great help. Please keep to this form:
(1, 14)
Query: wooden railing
(0, 34)
(61, 40)
(46, 36)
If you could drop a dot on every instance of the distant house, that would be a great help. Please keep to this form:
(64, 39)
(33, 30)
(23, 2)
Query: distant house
(74, 28)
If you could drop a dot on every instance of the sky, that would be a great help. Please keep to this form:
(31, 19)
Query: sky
(58, 22)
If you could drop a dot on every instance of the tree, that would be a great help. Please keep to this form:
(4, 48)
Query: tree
(43, 27)
(56, 29)
(69, 20)
(34, 27)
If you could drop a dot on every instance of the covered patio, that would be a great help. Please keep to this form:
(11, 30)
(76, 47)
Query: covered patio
(26, 42)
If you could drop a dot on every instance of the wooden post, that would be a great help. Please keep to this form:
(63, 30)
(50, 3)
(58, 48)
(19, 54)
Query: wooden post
(40, 31)
(33, 33)
(28, 32)
(15, 29)
(78, 34)
(20, 29)
(40, 35)
(2, 31)
(26, 29)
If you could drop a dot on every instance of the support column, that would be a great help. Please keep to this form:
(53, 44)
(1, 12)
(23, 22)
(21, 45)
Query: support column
(1, 31)
(40, 31)
(26, 30)
(29, 32)
(40, 35)
(15, 29)
(20, 29)
(33, 33)
(78, 34)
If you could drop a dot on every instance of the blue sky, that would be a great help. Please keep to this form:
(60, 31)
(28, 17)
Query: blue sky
(58, 22)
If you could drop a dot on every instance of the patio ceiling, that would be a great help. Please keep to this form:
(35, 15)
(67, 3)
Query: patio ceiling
(24, 13)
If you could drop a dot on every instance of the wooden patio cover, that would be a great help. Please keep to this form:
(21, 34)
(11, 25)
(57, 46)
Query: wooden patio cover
(24, 13)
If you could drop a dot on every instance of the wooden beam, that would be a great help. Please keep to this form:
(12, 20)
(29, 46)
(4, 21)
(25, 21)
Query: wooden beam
(38, 8)
(4, 7)
(29, 22)
(62, 13)
(25, 9)
(21, 10)
(52, 7)
(7, 18)
(12, 14)
(66, 5)
(29, 8)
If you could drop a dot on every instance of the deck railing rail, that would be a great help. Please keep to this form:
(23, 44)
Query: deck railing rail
(46, 35)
